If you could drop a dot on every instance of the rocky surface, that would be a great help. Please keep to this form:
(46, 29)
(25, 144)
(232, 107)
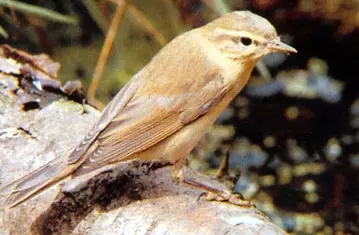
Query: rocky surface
(129, 198)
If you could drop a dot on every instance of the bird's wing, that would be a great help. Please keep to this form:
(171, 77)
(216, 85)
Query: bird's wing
(143, 122)
(107, 116)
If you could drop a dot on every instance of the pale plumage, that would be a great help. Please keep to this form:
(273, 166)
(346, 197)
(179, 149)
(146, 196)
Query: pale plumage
(164, 110)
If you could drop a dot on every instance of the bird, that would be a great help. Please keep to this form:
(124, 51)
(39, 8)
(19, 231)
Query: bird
(164, 110)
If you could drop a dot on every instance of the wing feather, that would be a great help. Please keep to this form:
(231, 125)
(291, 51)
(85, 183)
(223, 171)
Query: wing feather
(108, 114)
(142, 122)
(137, 141)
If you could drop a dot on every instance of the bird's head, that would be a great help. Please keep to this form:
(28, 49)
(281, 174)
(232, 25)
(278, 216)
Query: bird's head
(242, 35)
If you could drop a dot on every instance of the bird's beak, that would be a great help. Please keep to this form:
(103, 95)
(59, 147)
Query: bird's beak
(278, 46)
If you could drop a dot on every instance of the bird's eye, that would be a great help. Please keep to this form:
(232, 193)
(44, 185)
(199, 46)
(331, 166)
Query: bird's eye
(246, 41)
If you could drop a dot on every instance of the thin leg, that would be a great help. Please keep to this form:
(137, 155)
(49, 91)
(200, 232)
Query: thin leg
(216, 191)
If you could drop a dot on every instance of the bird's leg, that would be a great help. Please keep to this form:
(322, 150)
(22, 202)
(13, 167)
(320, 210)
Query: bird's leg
(215, 190)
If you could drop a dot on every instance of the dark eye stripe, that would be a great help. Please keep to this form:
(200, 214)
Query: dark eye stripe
(246, 41)
(236, 40)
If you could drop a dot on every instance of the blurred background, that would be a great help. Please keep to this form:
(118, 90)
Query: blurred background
(291, 137)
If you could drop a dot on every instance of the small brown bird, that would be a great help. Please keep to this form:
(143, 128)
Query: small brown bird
(165, 109)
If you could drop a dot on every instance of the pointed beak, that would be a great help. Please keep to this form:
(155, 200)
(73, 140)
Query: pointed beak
(278, 46)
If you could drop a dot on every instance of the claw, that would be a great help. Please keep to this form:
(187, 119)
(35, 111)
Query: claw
(235, 199)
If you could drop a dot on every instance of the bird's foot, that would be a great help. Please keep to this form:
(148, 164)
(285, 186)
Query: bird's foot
(232, 198)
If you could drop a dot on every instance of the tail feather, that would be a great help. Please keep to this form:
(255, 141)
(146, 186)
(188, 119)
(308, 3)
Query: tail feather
(35, 182)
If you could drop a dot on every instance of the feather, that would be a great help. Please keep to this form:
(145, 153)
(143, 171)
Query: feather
(157, 102)
(34, 182)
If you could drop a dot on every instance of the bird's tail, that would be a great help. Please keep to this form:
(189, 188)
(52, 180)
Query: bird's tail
(35, 182)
